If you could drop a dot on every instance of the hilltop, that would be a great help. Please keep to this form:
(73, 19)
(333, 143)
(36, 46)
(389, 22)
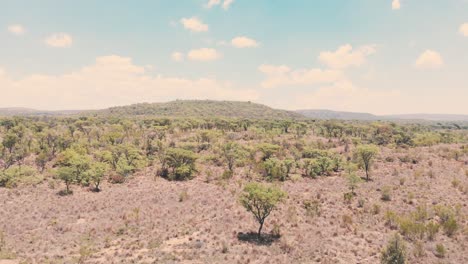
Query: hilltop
(201, 109)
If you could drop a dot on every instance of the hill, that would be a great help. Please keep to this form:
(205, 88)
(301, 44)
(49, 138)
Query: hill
(201, 109)
(328, 114)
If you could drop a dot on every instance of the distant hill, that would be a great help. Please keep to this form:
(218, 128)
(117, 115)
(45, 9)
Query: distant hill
(328, 114)
(430, 117)
(21, 111)
(201, 109)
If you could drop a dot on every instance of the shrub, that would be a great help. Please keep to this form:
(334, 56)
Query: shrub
(180, 163)
(386, 194)
(432, 229)
(395, 252)
(440, 251)
(411, 229)
(450, 226)
(275, 169)
(312, 207)
(261, 200)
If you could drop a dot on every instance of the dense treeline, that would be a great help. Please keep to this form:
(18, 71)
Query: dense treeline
(87, 150)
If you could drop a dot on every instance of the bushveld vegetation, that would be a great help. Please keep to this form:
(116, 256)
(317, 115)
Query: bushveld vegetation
(87, 152)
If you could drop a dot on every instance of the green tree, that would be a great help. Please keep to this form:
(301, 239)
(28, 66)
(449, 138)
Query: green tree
(366, 155)
(261, 200)
(232, 152)
(180, 163)
(73, 167)
(96, 173)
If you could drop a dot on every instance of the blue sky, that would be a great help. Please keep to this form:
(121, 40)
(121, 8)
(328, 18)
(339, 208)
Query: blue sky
(379, 56)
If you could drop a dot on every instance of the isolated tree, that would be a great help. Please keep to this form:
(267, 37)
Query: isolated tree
(395, 251)
(366, 155)
(261, 200)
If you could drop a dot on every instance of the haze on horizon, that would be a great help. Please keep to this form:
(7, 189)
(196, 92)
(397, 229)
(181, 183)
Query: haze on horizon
(380, 57)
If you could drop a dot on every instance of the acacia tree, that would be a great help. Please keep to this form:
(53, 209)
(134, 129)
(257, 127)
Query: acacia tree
(261, 200)
(366, 155)
(395, 252)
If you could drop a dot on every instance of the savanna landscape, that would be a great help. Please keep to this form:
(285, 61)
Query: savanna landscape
(233, 131)
(114, 186)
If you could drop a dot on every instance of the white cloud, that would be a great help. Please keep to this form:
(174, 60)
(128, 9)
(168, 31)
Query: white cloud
(212, 3)
(345, 56)
(110, 81)
(17, 29)
(177, 56)
(464, 29)
(345, 96)
(59, 40)
(244, 42)
(194, 24)
(429, 59)
(396, 5)
(204, 54)
(225, 4)
(284, 76)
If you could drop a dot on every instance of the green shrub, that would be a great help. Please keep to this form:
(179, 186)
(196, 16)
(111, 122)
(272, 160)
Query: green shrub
(180, 164)
(395, 252)
(440, 251)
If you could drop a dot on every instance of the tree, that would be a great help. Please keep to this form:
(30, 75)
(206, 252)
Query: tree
(74, 166)
(96, 173)
(365, 155)
(232, 152)
(261, 200)
(395, 251)
(181, 164)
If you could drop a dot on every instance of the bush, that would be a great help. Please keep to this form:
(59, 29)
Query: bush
(386, 193)
(395, 252)
(440, 251)
(180, 164)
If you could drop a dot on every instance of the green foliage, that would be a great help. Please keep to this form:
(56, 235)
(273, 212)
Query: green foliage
(267, 150)
(180, 164)
(365, 155)
(353, 181)
(275, 169)
(440, 251)
(16, 175)
(261, 200)
(395, 252)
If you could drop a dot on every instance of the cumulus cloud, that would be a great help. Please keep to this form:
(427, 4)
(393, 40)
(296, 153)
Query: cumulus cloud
(225, 4)
(464, 29)
(16, 29)
(204, 54)
(244, 42)
(59, 40)
(429, 59)
(110, 81)
(396, 5)
(177, 56)
(283, 76)
(345, 56)
(194, 24)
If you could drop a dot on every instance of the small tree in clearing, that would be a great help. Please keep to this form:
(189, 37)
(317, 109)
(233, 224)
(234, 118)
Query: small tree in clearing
(365, 155)
(261, 200)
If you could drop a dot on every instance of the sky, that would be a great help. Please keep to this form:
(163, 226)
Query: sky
(376, 56)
